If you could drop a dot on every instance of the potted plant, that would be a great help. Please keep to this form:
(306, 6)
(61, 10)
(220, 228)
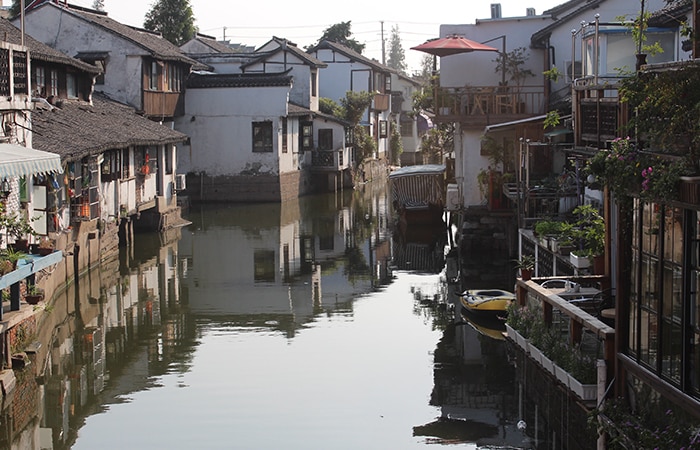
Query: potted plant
(588, 236)
(20, 228)
(34, 295)
(46, 246)
(526, 265)
(12, 257)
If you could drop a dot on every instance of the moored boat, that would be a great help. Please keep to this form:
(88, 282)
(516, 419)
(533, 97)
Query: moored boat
(486, 300)
(418, 192)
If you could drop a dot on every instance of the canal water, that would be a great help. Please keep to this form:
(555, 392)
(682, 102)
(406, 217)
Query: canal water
(303, 325)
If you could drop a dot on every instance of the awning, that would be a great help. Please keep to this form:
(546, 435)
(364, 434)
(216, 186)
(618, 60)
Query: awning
(17, 161)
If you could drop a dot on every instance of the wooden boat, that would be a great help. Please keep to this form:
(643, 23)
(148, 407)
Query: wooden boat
(418, 192)
(486, 300)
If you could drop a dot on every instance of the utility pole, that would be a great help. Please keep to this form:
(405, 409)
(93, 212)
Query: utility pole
(383, 49)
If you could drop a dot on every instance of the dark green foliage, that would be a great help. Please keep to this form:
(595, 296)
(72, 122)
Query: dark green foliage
(174, 19)
(340, 33)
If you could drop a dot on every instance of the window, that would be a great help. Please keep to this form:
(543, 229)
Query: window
(111, 165)
(153, 76)
(39, 82)
(168, 159)
(349, 136)
(174, 79)
(262, 136)
(264, 266)
(284, 135)
(314, 77)
(325, 139)
(71, 86)
(307, 136)
(126, 164)
(383, 129)
(53, 87)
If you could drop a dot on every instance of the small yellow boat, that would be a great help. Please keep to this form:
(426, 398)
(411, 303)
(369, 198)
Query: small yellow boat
(486, 300)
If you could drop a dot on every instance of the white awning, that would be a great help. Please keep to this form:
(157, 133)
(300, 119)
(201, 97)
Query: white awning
(17, 161)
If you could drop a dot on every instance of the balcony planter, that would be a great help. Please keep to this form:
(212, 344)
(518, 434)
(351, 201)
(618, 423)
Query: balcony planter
(547, 363)
(536, 354)
(583, 391)
(519, 339)
(561, 374)
(579, 262)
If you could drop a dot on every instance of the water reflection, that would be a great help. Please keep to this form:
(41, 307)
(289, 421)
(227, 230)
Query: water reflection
(306, 324)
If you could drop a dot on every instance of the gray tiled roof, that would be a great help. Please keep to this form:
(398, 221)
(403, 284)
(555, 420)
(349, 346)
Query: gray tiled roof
(350, 53)
(77, 129)
(40, 51)
(286, 45)
(572, 8)
(294, 110)
(150, 41)
(215, 80)
(214, 45)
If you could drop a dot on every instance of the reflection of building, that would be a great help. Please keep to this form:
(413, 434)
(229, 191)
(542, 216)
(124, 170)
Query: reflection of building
(473, 388)
(94, 332)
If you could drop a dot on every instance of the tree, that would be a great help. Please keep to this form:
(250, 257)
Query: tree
(340, 33)
(355, 105)
(15, 8)
(98, 5)
(397, 56)
(436, 142)
(425, 74)
(173, 19)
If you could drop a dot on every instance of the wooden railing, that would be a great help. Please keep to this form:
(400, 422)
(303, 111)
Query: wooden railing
(330, 160)
(163, 104)
(479, 105)
(599, 113)
(531, 293)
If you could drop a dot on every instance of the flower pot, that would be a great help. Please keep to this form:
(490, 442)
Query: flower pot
(526, 274)
(510, 332)
(33, 299)
(536, 354)
(599, 265)
(44, 251)
(547, 364)
(518, 338)
(583, 391)
(562, 375)
(20, 245)
(579, 262)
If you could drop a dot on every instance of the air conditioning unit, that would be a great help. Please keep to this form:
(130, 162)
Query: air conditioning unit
(453, 202)
(180, 184)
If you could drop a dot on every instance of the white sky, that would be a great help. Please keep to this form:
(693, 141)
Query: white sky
(254, 23)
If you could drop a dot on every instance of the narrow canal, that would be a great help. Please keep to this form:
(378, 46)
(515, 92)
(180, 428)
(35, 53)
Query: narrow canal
(303, 325)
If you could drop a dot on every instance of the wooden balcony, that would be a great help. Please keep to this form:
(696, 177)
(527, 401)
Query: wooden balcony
(163, 104)
(599, 114)
(330, 160)
(381, 102)
(478, 106)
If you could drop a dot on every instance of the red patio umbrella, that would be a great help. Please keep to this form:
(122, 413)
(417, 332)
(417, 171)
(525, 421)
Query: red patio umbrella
(452, 45)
